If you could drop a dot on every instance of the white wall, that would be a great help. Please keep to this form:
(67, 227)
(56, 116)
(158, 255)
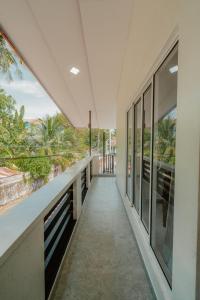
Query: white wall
(154, 27)
(187, 167)
(22, 274)
(152, 24)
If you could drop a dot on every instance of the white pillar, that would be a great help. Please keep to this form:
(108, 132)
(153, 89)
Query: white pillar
(88, 176)
(96, 165)
(77, 201)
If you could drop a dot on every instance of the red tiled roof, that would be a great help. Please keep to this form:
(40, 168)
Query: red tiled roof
(6, 172)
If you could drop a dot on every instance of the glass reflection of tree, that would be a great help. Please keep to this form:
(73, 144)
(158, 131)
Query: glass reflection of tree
(129, 152)
(165, 141)
(147, 142)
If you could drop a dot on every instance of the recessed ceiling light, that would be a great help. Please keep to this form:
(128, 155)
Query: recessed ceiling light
(173, 69)
(74, 71)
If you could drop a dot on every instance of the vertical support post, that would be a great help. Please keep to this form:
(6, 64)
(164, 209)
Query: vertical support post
(77, 202)
(97, 167)
(110, 140)
(104, 141)
(88, 176)
(98, 143)
(90, 132)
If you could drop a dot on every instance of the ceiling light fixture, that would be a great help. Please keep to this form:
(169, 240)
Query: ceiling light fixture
(74, 71)
(173, 69)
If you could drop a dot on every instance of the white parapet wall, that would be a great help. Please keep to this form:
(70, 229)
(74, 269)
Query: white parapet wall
(22, 269)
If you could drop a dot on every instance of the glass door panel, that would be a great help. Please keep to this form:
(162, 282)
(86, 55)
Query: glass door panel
(146, 156)
(164, 155)
(137, 153)
(129, 154)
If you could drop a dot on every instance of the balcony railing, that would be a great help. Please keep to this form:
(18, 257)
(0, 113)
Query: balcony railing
(58, 227)
(105, 164)
(165, 182)
(36, 233)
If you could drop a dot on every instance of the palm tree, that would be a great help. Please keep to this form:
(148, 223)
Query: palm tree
(50, 133)
(166, 140)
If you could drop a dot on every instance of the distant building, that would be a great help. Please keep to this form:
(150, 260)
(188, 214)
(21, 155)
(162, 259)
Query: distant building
(6, 172)
(29, 122)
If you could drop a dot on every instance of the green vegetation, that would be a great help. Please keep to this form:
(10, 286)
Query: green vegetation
(7, 59)
(165, 140)
(41, 146)
(13, 139)
(37, 147)
(38, 168)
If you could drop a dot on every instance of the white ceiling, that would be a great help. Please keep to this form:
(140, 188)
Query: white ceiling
(54, 35)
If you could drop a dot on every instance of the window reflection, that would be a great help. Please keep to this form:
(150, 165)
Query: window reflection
(146, 155)
(164, 155)
(129, 154)
(137, 153)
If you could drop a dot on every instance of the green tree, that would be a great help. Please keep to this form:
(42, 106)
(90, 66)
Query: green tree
(12, 130)
(166, 140)
(38, 168)
(7, 59)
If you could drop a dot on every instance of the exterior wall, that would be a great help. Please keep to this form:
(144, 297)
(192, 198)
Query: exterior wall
(18, 187)
(22, 275)
(187, 167)
(155, 25)
(152, 24)
(13, 188)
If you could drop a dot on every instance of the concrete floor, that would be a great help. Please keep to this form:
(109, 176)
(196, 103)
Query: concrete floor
(103, 261)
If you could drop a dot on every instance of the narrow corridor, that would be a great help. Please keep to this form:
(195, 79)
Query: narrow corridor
(103, 261)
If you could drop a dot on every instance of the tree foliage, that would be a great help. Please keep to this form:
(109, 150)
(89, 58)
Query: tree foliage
(38, 168)
(7, 59)
(37, 148)
(165, 140)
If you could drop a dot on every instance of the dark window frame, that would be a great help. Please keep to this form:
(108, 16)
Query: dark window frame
(149, 86)
(130, 110)
(140, 97)
(139, 100)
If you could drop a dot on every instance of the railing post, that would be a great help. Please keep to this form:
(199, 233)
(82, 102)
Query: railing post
(77, 203)
(104, 140)
(88, 175)
(96, 165)
(90, 132)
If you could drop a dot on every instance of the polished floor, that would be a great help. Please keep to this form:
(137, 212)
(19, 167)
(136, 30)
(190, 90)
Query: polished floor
(103, 261)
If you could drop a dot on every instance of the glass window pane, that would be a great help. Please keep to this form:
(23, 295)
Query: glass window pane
(129, 154)
(164, 161)
(137, 153)
(146, 189)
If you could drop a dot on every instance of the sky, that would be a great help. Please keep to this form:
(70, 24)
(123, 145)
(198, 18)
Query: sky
(28, 91)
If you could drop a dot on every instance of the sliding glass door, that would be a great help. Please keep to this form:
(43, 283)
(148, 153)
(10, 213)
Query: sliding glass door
(164, 155)
(153, 160)
(146, 156)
